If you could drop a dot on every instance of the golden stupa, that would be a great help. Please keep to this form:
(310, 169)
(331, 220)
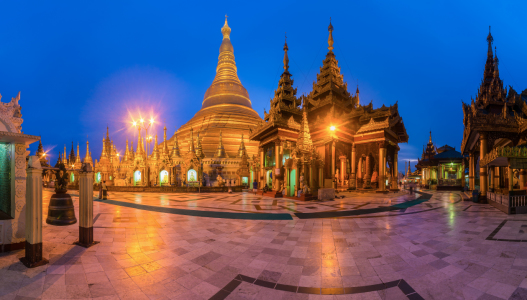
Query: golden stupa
(226, 108)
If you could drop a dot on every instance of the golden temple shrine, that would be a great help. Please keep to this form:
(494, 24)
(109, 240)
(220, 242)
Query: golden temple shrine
(325, 139)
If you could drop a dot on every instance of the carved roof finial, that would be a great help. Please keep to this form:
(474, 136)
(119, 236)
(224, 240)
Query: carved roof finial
(330, 39)
(430, 140)
(226, 30)
(490, 39)
(286, 58)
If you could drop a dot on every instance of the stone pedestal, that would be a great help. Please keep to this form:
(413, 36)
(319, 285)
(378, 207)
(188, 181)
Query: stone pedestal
(326, 194)
(272, 194)
(86, 209)
(33, 257)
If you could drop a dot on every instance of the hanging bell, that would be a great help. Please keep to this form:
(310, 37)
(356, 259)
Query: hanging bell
(60, 210)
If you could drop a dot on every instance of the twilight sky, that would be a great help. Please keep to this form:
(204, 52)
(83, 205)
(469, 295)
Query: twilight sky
(83, 65)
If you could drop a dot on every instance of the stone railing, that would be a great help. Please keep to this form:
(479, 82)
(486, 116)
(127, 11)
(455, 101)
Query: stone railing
(513, 152)
(450, 182)
(510, 204)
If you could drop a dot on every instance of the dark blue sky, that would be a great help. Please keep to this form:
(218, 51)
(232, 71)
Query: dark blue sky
(82, 65)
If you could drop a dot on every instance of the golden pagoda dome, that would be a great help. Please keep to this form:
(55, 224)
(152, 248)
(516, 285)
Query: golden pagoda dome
(226, 87)
(226, 107)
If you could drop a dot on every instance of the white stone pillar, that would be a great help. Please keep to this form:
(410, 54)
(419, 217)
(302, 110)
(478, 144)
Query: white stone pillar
(33, 257)
(86, 208)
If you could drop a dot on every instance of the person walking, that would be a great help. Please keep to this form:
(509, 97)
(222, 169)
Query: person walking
(255, 187)
(104, 191)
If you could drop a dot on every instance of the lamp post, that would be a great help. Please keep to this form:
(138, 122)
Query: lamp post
(144, 125)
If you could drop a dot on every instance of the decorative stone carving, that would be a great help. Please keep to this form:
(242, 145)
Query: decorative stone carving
(10, 114)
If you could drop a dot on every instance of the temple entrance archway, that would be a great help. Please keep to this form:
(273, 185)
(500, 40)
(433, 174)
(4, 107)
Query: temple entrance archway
(72, 177)
(98, 177)
(192, 177)
(269, 178)
(292, 182)
(163, 178)
(137, 177)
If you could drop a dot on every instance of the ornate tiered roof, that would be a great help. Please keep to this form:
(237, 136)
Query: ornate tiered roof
(175, 149)
(304, 142)
(330, 88)
(220, 152)
(284, 109)
(495, 110)
(284, 104)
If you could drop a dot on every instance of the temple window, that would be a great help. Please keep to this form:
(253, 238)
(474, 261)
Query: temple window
(5, 181)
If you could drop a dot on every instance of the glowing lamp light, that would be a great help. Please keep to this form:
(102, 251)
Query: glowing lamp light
(151, 120)
(134, 123)
(332, 128)
(142, 121)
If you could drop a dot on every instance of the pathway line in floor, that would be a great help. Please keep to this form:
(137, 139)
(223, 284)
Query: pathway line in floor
(201, 213)
(336, 214)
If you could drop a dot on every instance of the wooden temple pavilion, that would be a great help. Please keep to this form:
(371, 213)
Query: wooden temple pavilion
(495, 131)
(332, 141)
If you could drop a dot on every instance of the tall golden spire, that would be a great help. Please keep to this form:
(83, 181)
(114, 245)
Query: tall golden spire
(286, 58)
(220, 152)
(78, 157)
(88, 158)
(304, 142)
(226, 30)
(191, 148)
(330, 39)
(226, 87)
(175, 148)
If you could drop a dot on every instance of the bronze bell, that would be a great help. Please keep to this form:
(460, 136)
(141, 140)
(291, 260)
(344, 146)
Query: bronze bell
(60, 210)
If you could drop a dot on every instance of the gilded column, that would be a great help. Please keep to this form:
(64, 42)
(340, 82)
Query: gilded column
(278, 163)
(311, 177)
(297, 177)
(353, 175)
(321, 183)
(262, 170)
(33, 254)
(496, 177)
(342, 169)
(523, 178)
(483, 179)
(395, 181)
(86, 207)
(333, 165)
(491, 177)
(367, 176)
(471, 168)
(286, 181)
(382, 163)
(511, 179)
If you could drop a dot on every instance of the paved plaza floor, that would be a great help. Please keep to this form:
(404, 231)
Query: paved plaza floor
(429, 245)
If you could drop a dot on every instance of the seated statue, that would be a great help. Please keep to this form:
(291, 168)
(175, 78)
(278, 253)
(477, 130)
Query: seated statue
(374, 176)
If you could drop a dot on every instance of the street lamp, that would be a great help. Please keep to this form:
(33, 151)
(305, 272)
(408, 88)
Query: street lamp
(332, 128)
(145, 126)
